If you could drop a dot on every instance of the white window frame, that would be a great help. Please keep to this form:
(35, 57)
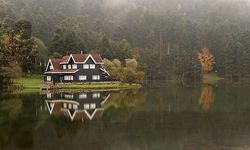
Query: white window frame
(92, 106)
(86, 106)
(96, 95)
(85, 66)
(82, 77)
(48, 78)
(95, 77)
(74, 66)
(83, 96)
(64, 105)
(64, 67)
(51, 67)
(69, 96)
(75, 107)
(92, 66)
(69, 66)
(68, 78)
(70, 106)
(49, 95)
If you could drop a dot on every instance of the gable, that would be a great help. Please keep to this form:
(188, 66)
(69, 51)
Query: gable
(95, 58)
(71, 61)
(50, 106)
(57, 63)
(89, 60)
(48, 65)
(67, 59)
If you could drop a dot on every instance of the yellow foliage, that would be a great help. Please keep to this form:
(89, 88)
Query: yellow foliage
(5, 39)
(207, 60)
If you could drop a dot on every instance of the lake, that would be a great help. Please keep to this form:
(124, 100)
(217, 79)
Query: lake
(156, 117)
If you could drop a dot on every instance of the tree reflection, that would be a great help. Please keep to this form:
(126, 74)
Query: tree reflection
(207, 97)
(125, 99)
(120, 106)
(18, 119)
(12, 106)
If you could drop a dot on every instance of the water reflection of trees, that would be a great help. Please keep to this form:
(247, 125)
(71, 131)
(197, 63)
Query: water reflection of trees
(125, 99)
(120, 106)
(206, 99)
(12, 106)
(18, 120)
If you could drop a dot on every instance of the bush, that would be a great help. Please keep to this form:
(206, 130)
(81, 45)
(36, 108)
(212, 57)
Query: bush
(127, 73)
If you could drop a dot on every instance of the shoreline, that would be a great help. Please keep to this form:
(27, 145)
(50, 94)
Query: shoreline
(36, 82)
(90, 86)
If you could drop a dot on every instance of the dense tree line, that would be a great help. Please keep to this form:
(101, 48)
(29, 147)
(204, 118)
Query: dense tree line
(17, 50)
(165, 36)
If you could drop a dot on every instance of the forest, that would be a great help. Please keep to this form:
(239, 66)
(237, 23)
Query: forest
(164, 36)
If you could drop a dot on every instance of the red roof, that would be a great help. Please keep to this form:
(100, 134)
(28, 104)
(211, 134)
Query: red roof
(78, 58)
(56, 63)
(81, 58)
(65, 59)
(97, 58)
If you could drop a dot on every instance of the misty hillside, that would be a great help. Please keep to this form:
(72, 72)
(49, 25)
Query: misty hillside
(164, 35)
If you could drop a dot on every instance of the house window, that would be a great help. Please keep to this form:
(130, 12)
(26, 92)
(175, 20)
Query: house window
(86, 106)
(83, 96)
(92, 66)
(50, 67)
(64, 67)
(64, 105)
(48, 78)
(49, 95)
(86, 66)
(74, 66)
(95, 77)
(92, 106)
(96, 95)
(75, 107)
(69, 66)
(68, 78)
(70, 106)
(69, 96)
(82, 77)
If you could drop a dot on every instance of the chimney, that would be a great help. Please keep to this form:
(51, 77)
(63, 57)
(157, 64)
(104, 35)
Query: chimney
(81, 52)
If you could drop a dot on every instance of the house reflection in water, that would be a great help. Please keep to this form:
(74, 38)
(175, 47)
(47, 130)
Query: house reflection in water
(76, 106)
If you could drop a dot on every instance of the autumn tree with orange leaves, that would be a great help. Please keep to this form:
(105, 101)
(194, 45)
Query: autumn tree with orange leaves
(207, 97)
(207, 60)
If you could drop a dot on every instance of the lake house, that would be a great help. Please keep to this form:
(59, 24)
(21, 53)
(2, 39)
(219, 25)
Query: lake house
(76, 68)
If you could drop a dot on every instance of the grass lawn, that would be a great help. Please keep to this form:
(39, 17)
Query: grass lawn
(29, 81)
(35, 82)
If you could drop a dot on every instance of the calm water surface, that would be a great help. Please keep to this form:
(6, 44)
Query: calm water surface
(158, 117)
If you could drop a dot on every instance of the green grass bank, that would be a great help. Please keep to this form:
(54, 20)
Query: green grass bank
(35, 82)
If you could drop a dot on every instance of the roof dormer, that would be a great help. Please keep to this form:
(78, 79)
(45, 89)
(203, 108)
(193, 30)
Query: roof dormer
(49, 66)
(66, 59)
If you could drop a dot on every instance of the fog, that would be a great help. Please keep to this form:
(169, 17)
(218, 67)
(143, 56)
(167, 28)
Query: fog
(170, 31)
